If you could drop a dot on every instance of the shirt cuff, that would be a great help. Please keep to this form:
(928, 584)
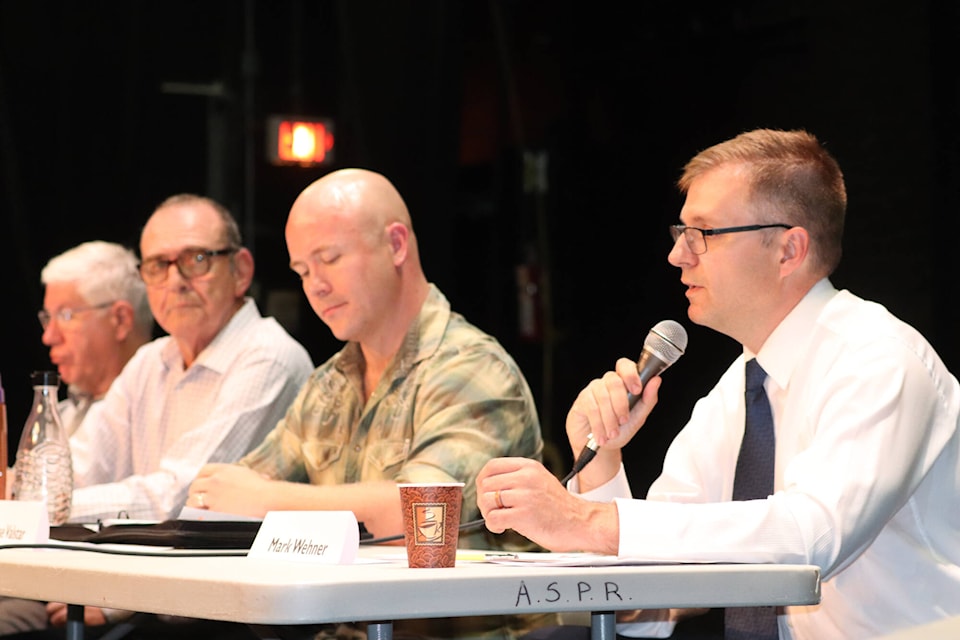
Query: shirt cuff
(617, 487)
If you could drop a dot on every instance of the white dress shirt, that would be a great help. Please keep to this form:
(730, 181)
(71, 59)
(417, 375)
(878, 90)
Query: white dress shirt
(867, 485)
(73, 409)
(139, 449)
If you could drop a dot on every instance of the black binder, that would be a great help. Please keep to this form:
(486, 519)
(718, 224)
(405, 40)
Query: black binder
(179, 534)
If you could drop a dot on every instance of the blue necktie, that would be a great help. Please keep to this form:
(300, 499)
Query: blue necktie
(754, 481)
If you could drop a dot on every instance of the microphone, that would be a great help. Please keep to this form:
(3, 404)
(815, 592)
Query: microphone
(663, 346)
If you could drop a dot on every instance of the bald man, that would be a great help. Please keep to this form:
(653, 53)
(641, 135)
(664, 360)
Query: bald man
(417, 394)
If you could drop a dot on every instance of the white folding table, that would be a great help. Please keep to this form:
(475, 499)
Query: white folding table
(272, 592)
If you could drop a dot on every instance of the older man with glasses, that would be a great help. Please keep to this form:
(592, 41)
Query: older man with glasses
(95, 316)
(208, 392)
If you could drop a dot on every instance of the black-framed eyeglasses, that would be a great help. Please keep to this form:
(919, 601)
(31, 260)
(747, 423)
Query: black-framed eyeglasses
(697, 238)
(191, 263)
(66, 315)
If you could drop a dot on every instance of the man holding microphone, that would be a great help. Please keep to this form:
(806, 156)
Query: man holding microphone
(832, 440)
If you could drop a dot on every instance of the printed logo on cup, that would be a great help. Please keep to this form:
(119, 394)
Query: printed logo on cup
(429, 518)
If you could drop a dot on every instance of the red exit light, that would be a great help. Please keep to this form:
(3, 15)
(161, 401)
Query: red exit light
(306, 142)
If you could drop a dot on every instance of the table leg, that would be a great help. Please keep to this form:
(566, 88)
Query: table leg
(74, 622)
(603, 625)
(380, 631)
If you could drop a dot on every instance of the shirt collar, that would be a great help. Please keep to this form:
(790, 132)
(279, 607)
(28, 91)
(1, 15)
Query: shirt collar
(219, 354)
(781, 352)
(420, 342)
(80, 398)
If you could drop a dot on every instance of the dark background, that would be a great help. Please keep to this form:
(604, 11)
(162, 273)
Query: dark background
(106, 108)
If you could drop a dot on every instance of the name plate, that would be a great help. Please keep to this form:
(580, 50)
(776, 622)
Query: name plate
(323, 537)
(23, 522)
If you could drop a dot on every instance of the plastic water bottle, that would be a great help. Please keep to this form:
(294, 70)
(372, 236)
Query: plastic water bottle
(44, 469)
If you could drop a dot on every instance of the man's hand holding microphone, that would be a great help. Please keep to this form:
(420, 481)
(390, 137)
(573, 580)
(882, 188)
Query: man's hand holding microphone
(521, 494)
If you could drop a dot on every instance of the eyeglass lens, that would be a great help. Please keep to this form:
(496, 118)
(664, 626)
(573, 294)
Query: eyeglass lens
(691, 235)
(191, 263)
(66, 315)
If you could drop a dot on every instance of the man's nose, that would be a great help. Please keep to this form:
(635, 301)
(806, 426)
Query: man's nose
(51, 334)
(681, 254)
(316, 284)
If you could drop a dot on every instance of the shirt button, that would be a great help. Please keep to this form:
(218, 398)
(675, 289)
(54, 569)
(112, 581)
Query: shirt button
(357, 448)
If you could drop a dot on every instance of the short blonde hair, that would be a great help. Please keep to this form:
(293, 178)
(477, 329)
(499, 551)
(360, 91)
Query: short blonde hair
(793, 179)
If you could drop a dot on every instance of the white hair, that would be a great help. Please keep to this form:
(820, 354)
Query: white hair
(103, 272)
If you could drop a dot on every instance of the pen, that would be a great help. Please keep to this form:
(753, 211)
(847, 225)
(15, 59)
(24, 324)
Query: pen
(483, 556)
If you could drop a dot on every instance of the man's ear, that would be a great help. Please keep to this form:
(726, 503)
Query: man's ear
(399, 237)
(121, 315)
(794, 249)
(243, 271)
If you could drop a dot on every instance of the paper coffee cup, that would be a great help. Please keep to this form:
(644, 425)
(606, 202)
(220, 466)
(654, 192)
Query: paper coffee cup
(431, 522)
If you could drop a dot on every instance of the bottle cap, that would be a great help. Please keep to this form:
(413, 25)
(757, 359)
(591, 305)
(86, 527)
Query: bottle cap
(45, 378)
